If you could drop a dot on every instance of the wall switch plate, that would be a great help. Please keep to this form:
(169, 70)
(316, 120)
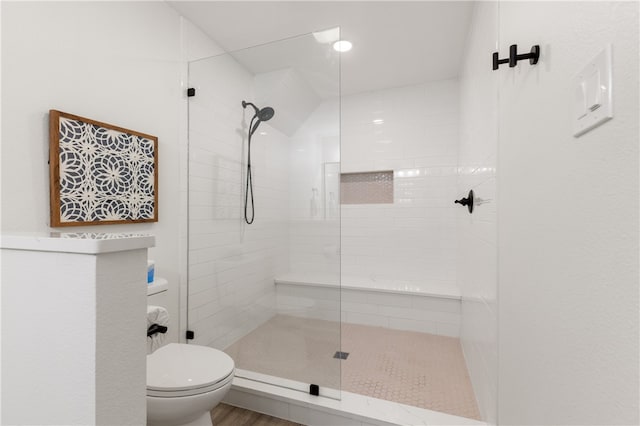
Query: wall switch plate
(593, 94)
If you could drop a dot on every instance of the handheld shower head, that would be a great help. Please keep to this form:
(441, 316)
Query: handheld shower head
(264, 114)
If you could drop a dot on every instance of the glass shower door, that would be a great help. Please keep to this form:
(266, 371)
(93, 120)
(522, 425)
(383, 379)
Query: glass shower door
(267, 292)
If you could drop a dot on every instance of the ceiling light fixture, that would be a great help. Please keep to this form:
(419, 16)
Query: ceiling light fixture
(342, 46)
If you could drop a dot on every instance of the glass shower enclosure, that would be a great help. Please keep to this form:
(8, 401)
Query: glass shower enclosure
(267, 293)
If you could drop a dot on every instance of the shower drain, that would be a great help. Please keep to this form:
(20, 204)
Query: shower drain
(341, 355)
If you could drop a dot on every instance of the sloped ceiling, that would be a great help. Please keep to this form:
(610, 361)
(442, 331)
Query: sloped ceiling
(394, 43)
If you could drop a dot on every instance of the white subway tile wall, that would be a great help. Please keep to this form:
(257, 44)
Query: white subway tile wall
(412, 130)
(425, 314)
(401, 128)
(314, 230)
(314, 246)
(232, 265)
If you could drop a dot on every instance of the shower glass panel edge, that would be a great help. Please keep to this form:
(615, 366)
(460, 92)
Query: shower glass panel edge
(267, 293)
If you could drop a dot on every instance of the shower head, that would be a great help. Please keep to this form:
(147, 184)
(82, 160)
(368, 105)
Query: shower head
(264, 114)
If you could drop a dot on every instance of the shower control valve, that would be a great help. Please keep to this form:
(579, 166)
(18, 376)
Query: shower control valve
(468, 202)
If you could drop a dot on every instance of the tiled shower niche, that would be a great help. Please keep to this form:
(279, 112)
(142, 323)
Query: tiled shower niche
(367, 187)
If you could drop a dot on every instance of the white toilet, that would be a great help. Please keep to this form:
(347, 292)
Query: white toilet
(184, 382)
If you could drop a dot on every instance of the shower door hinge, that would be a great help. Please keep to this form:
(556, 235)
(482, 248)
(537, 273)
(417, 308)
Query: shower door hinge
(314, 390)
(191, 92)
(190, 335)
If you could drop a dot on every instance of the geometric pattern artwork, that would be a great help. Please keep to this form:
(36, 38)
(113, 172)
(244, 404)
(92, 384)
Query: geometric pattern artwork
(366, 188)
(100, 174)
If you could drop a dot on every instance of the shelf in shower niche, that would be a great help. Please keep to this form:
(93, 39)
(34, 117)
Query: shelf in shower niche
(157, 286)
(367, 187)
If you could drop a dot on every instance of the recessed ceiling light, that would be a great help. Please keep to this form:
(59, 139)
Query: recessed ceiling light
(263, 133)
(342, 46)
(378, 121)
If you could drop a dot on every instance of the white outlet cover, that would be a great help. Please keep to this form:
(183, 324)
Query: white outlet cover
(593, 94)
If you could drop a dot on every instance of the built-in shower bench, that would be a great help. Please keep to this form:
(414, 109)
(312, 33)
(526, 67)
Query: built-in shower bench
(424, 307)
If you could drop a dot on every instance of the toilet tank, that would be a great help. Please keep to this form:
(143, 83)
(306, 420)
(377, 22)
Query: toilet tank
(157, 292)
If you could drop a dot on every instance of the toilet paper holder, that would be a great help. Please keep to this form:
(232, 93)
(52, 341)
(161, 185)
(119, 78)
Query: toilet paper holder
(155, 329)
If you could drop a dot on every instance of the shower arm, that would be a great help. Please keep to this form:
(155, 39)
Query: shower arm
(255, 108)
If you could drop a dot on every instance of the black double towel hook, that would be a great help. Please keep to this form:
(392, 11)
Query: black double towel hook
(513, 58)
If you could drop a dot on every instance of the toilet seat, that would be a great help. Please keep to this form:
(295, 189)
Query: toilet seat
(179, 369)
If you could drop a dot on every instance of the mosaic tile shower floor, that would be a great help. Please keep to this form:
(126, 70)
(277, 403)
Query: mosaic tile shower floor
(419, 369)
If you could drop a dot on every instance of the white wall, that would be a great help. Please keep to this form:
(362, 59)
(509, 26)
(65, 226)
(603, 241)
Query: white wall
(568, 229)
(413, 239)
(477, 232)
(117, 62)
(231, 264)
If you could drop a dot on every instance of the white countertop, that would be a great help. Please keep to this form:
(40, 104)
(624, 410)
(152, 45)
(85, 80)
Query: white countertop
(76, 242)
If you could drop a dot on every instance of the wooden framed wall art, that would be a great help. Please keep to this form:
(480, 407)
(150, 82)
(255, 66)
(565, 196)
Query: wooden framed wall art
(99, 173)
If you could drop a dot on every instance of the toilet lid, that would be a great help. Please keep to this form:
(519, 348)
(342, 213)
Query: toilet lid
(178, 366)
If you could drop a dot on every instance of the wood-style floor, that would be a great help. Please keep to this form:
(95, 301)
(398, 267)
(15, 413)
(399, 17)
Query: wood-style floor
(227, 415)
